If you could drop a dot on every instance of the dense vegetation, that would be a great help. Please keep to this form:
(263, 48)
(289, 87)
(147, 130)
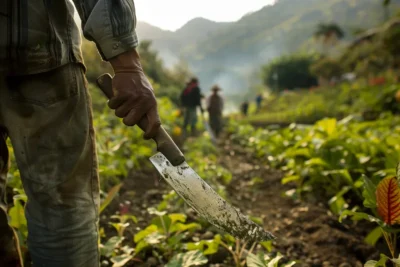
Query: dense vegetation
(365, 97)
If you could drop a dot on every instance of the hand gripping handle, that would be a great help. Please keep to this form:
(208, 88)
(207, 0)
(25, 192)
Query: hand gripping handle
(165, 144)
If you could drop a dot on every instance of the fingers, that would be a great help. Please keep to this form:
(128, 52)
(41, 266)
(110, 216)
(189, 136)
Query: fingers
(123, 110)
(154, 123)
(116, 101)
(135, 100)
(133, 117)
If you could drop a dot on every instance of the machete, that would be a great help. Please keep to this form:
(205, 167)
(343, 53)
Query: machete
(171, 164)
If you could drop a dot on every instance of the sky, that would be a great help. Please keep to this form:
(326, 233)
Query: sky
(172, 14)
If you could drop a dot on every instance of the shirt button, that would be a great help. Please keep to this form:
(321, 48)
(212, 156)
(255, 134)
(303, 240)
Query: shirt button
(115, 46)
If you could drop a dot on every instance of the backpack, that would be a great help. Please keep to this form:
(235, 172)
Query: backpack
(186, 95)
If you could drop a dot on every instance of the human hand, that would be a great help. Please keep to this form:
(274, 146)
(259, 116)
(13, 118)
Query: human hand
(133, 94)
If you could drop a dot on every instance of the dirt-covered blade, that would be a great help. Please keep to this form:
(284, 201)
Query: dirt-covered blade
(203, 199)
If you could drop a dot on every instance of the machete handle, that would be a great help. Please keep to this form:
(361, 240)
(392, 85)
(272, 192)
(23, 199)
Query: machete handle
(164, 142)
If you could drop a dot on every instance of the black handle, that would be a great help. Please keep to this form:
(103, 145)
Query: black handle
(165, 144)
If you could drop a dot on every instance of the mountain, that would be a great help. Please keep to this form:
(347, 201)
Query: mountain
(198, 29)
(169, 44)
(229, 53)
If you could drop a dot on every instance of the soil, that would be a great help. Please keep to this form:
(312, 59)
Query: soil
(306, 232)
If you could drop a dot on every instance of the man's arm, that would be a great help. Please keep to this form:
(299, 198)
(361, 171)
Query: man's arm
(111, 25)
(197, 96)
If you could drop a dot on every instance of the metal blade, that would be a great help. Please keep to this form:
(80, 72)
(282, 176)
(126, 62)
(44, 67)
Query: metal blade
(203, 199)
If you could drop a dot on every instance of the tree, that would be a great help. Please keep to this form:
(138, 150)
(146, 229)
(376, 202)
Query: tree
(366, 59)
(330, 33)
(326, 69)
(289, 72)
(391, 41)
(152, 63)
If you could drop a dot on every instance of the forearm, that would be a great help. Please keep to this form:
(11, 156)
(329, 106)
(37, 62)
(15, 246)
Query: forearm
(110, 24)
(128, 61)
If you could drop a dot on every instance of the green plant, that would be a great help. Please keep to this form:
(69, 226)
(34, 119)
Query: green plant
(326, 68)
(187, 259)
(122, 223)
(164, 236)
(383, 202)
(262, 260)
(331, 155)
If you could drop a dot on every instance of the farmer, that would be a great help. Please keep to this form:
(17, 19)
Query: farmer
(45, 110)
(215, 106)
(259, 99)
(190, 100)
(244, 107)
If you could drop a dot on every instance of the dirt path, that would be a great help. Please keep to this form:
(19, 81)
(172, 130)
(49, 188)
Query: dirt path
(305, 231)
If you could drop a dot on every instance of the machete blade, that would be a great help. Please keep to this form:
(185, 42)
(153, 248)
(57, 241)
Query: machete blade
(206, 202)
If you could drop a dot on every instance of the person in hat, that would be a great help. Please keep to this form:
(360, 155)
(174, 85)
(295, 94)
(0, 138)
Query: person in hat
(215, 106)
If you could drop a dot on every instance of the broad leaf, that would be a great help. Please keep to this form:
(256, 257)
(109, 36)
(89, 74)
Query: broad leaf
(290, 178)
(154, 238)
(121, 260)
(369, 193)
(316, 162)
(154, 211)
(190, 258)
(338, 203)
(163, 223)
(327, 125)
(357, 216)
(181, 227)
(144, 233)
(177, 217)
(381, 263)
(388, 200)
(274, 261)
(267, 245)
(17, 216)
(140, 246)
(208, 247)
(112, 243)
(110, 196)
(370, 264)
(373, 236)
(256, 260)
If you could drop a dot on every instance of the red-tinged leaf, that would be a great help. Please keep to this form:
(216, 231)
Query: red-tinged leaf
(388, 200)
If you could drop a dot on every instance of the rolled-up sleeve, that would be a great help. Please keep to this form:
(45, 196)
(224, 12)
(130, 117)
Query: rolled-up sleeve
(110, 24)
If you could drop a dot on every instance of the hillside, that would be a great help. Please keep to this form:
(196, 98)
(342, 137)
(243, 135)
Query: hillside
(228, 53)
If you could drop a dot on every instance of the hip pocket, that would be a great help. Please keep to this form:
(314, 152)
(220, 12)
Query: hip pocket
(46, 88)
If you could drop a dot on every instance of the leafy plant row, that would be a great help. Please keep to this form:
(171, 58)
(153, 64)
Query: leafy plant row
(348, 164)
